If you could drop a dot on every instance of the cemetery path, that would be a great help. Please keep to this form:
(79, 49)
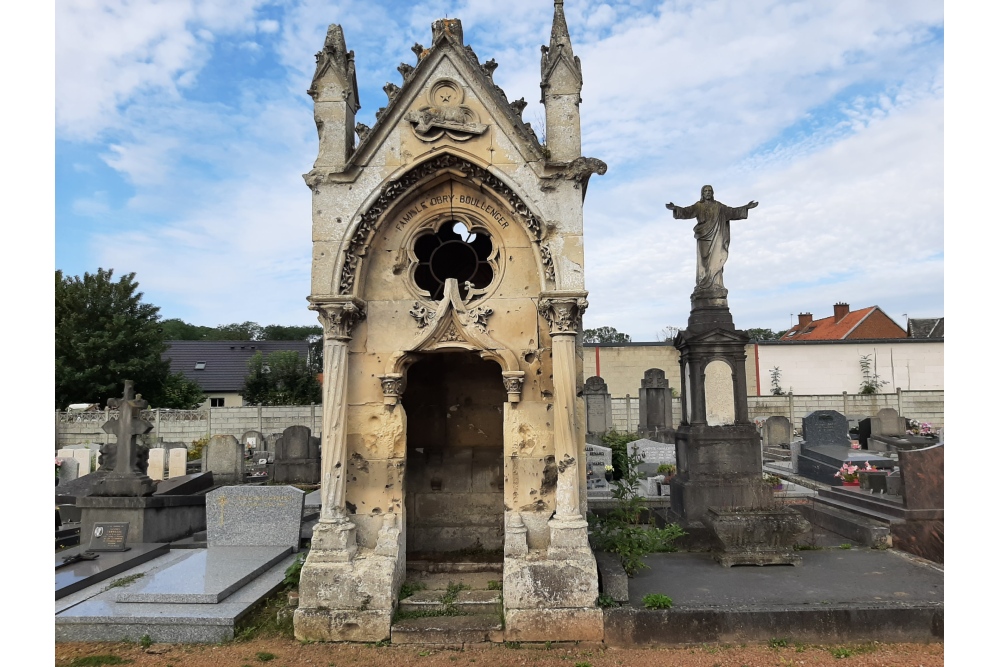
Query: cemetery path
(283, 652)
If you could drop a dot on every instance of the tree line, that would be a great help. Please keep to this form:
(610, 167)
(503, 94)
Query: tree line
(105, 334)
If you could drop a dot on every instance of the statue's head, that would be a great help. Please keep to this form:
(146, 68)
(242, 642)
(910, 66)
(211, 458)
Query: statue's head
(707, 193)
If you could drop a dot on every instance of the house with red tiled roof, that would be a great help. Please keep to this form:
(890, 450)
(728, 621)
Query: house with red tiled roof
(846, 324)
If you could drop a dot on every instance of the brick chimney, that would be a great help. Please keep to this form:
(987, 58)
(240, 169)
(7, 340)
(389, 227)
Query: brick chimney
(840, 311)
(805, 318)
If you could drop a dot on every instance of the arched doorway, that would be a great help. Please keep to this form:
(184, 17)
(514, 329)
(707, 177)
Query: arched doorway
(454, 450)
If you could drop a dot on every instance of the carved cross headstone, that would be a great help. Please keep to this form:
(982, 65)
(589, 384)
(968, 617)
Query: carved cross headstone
(127, 478)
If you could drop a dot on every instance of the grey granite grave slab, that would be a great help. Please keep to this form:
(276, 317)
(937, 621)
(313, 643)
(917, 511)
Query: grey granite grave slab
(205, 576)
(185, 485)
(98, 617)
(254, 516)
(653, 454)
(80, 575)
(825, 427)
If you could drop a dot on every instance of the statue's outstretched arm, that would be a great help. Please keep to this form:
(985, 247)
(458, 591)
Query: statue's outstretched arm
(681, 212)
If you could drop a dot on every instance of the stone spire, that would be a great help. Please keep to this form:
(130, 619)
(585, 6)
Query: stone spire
(334, 91)
(562, 81)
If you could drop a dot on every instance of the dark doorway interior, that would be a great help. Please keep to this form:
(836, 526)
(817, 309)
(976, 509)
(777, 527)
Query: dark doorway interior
(454, 450)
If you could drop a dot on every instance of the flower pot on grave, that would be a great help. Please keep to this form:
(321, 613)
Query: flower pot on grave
(608, 475)
(856, 482)
(750, 536)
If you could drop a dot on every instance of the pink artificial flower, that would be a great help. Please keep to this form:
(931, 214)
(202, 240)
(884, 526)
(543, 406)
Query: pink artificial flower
(58, 461)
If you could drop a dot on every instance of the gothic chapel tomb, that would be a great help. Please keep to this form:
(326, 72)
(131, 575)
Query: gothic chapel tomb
(448, 277)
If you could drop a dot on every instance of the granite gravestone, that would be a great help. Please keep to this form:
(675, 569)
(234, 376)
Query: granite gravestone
(776, 432)
(69, 470)
(655, 411)
(597, 401)
(297, 457)
(598, 458)
(653, 454)
(888, 422)
(825, 427)
(254, 516)
(223, 457)
(177, 463)
(922, 482)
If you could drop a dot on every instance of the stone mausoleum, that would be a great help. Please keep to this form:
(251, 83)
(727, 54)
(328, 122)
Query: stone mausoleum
(448, 276)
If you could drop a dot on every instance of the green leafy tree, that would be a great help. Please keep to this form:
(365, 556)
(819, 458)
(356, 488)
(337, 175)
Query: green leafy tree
(178, 329)
(236, 331)
(105, 335)
(605, 335)
(278, 332)
(180, 393)
(281, 378)
(764, 334)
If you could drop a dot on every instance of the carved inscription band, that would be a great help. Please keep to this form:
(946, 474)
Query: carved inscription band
(393, 190)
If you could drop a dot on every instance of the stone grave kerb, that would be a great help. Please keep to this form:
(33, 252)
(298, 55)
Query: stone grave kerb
(127, 478)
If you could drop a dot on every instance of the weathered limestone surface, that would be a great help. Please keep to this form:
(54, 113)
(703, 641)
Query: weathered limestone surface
(448, 277)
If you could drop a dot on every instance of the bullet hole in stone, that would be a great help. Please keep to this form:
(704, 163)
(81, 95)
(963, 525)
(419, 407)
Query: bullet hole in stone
(338, 465)
(529, 357)
(376, 510)
(351, 507)
(546, 393)
(338, 219)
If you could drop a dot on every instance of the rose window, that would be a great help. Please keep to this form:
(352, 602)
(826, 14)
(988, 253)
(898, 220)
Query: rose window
(453, 252)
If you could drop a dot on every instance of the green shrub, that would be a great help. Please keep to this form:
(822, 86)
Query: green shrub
(656, 601)
(623, 531)
(195, 450)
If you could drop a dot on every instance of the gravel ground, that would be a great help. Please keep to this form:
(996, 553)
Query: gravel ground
(283, 652)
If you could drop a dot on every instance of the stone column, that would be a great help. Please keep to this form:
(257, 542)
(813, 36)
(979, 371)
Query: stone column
(334, 535)
(568, 528)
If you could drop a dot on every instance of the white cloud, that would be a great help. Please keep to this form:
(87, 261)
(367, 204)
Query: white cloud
(107, 51)
(828, 113)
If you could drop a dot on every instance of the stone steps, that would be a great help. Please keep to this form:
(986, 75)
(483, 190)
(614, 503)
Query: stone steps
(465, 602)
(777, 454)
(448, 631)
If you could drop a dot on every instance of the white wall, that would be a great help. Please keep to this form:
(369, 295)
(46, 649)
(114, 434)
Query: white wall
(832, 368)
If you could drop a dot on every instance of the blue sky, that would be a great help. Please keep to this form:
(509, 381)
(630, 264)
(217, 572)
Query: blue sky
(183, 129)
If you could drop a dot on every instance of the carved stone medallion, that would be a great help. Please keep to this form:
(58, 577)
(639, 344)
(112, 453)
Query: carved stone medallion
(445, 115)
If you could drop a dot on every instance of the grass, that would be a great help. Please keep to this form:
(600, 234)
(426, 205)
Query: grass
(656, 601)
(774, 642)
(849, 651)
(264, 621)
(807, 547)
(606, 602)
(845, 545)
(409, 588)
(264, 656)
(494, 585)
(451, 594)
(124, 581)
(146, 641)
(98, 661)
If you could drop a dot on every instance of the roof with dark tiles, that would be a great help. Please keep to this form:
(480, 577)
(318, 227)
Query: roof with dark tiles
(926, 328)
(225, 361)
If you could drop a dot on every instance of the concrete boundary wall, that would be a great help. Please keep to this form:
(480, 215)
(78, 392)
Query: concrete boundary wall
(925, 406)
(189, 425)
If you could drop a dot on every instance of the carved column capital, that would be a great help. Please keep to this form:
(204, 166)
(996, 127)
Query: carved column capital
(513, 382)
(393, 386)
(563, 311)
(338, 315)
